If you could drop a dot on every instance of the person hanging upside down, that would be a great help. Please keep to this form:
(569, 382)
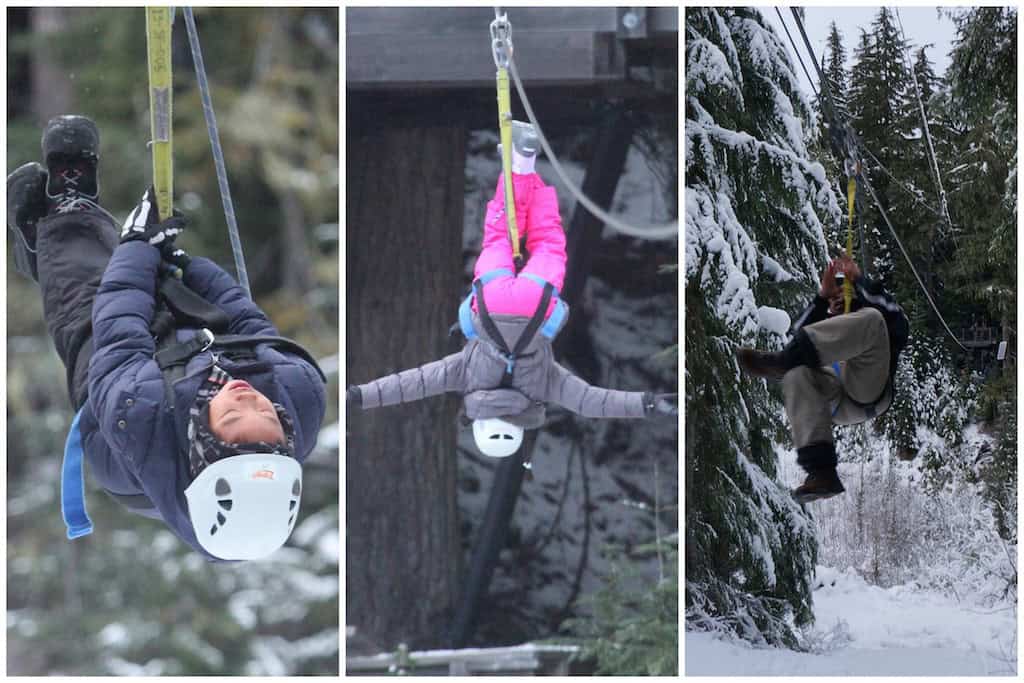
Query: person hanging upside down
(507, 371)
(204, 432)
(838, 368)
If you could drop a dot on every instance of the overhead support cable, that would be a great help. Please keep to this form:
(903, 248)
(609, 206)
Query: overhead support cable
(854, 146)
(822, 81)
(218, 153)
(910, 190)
(656, 232)
(797, 53)
(910, 263)
(934, 166)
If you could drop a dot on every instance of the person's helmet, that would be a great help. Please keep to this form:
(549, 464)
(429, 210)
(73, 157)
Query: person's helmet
(496, 437)
(244, 507)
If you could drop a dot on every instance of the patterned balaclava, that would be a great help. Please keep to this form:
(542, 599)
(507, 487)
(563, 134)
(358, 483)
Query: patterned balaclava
(205, 447)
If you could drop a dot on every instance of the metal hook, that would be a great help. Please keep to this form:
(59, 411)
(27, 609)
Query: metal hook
(501, 41)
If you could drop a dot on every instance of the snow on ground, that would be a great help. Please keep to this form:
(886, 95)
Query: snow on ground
(872, 631)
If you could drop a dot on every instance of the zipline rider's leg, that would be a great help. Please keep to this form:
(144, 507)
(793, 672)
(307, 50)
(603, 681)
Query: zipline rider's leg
(72, 251)
(538, 205)
(818, 397)
(859, 342)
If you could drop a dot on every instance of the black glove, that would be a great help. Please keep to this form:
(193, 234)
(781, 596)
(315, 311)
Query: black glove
(353, 397)
(659, 405)
(175, 257)
(144, 224)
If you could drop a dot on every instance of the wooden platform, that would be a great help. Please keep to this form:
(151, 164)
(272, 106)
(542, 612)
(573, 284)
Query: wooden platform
(523, 660)
(450, 47)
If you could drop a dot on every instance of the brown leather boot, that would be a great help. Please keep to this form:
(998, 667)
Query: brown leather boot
(762, 363)
(798, 351)
(819, 484)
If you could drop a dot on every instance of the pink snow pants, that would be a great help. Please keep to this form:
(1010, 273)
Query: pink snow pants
(537, 217)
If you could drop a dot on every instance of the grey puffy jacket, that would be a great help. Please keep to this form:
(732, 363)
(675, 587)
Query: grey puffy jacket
(477, 370)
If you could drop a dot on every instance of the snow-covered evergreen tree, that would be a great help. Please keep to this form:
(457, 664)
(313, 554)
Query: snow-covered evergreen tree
(834, 67)
(755, 245)
(983, 81)
(837, 81)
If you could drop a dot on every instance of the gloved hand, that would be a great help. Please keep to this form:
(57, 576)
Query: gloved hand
(660, 405)
(144, 224)
(353, 397)
(175, 256)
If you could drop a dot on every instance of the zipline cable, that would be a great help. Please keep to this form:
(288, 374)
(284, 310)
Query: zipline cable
(822, 81)
(885, 216)
(218, 154)
(906, 187)
(934, 167)
(906, 256)
(658, 232)
(792, 42)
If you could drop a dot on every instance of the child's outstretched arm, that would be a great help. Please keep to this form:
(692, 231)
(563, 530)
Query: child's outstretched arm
(572, 393)
(427, 380)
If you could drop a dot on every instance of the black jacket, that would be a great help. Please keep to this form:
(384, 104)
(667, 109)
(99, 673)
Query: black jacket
(866, 293)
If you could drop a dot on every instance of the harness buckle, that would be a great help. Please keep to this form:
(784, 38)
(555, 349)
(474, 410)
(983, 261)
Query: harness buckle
(209, 339)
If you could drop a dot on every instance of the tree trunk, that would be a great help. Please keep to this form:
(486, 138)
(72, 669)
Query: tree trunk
(51, 87)
(405, 194)
(298, 266)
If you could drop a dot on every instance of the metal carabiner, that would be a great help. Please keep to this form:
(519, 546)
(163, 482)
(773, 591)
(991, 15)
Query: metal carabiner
(209, 339)
(852, 167)
(501, 41)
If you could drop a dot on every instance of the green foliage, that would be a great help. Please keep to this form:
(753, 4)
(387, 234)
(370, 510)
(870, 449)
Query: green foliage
(968, 265)
(757, 210)
(130, 599)
(633, 629)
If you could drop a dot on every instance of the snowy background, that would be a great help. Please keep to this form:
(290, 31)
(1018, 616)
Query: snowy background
(913, 570)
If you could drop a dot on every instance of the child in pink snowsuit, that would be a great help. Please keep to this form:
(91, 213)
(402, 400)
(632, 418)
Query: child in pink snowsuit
(507, 372)
(538, 218)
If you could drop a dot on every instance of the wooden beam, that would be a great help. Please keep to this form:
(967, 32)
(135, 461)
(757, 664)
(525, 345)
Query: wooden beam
(451, 21)
(450, 47)
(465, 61)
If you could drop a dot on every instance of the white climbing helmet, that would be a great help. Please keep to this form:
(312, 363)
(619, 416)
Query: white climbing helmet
(496, 437)
(244, 506)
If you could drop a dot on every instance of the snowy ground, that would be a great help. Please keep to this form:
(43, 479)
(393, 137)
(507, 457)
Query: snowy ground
(865, 630)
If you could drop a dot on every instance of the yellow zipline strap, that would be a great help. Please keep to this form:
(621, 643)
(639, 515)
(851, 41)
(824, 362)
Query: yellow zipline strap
(501, 47)
(158, 44)
(851, 195)
(505, 128)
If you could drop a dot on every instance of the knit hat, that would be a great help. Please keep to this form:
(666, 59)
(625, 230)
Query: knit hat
(205, 447)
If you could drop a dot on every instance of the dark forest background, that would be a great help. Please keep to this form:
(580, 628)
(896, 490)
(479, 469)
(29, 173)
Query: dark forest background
(131, 599)
(584, 551)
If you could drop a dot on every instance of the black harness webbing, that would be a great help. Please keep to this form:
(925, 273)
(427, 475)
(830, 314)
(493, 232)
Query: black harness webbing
(172, 357)
(182, 307)
(529, 332)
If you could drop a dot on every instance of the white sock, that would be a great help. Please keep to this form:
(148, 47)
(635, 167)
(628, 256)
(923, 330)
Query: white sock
(523, 165)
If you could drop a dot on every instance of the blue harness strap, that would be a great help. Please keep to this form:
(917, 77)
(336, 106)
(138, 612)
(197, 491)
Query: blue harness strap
(465, 308)
(72, 483)
(557, 317)
(551, 325)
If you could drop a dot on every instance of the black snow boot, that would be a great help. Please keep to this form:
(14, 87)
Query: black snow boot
(26, 201)
(819, 484)
(799, 351)
(71, 145)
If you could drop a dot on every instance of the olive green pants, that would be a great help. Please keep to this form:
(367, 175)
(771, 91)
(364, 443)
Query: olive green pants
(817, 398)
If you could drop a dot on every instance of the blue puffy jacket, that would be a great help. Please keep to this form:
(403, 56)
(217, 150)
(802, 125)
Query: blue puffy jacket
(134, 440)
